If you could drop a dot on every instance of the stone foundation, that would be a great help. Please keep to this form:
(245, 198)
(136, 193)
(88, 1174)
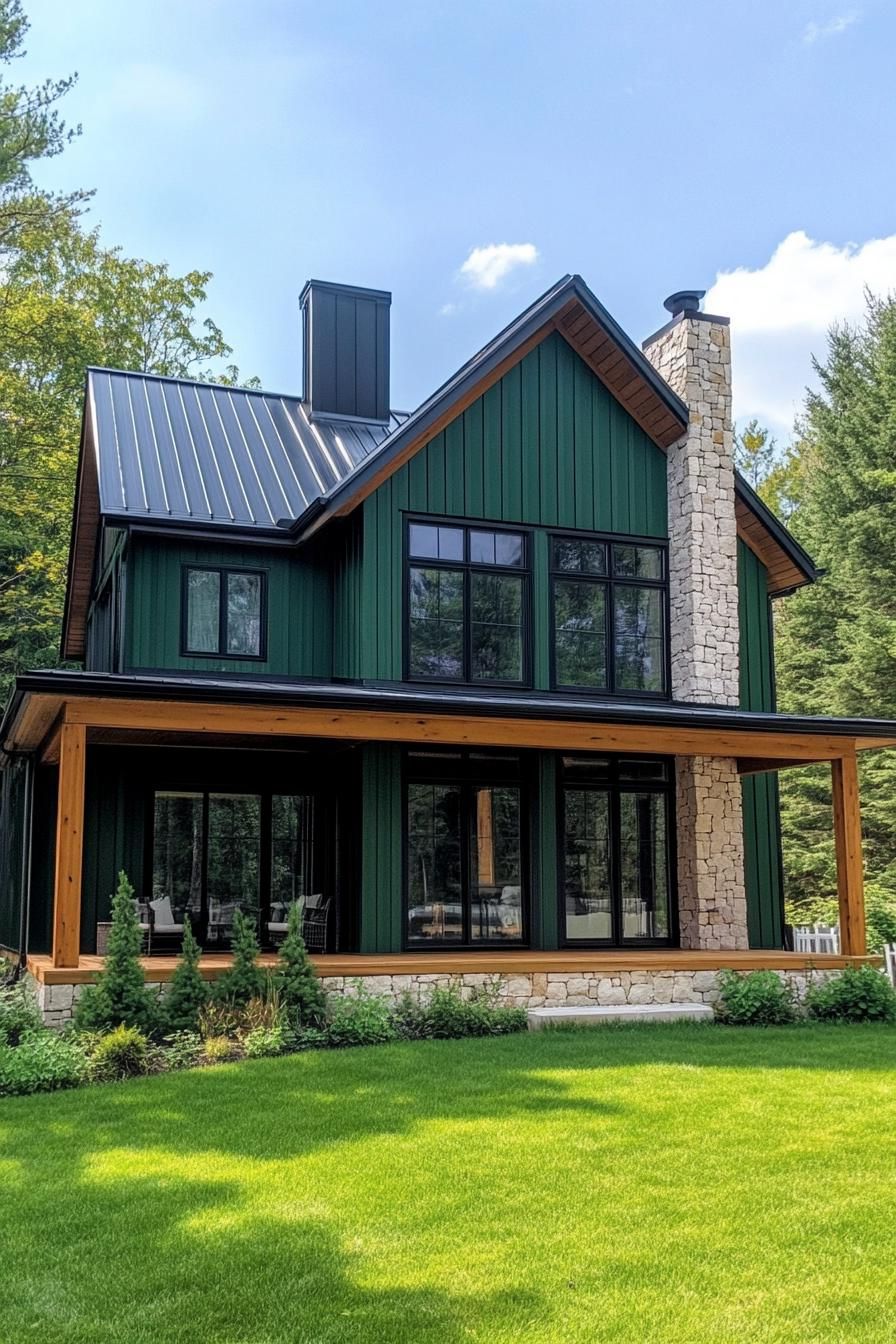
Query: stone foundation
(530, 990)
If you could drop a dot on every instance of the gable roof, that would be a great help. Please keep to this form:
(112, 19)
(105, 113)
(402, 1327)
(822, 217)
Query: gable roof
(186, 454)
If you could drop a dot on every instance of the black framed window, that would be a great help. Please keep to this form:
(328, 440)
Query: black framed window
(467, 604)
(214, 853)
(223, 612)
(616, 851)
(465, 860)
(610, 602)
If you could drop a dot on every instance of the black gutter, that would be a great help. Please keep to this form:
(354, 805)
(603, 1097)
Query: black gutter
(400, 698)
(785, 539)
(513, 335)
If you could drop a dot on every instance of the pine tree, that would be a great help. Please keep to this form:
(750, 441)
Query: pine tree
(188, 992)
(120, 995)
(836, 638)
(300, 989)
(245, 979)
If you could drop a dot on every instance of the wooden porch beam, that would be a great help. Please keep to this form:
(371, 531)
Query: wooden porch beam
(848, 846)
(196, 719)
(69, 845)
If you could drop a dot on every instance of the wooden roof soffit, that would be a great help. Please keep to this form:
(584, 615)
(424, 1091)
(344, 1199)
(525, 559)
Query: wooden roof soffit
(85, 536)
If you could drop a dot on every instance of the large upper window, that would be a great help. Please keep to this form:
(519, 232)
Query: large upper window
(609, 602)
(223, 612)
(464, 860)
(467, 604)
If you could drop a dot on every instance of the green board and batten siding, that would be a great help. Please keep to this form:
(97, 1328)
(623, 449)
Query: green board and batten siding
(548, 447)
(299, 608)
(762, 830)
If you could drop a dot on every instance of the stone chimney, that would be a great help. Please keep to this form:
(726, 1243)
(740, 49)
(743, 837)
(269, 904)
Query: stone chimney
(693, 353)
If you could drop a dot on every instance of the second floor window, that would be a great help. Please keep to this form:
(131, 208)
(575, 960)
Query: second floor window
(609, 616)
(467, 604)
(223, 612)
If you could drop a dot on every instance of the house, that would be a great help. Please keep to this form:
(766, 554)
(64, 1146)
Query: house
(488, 687)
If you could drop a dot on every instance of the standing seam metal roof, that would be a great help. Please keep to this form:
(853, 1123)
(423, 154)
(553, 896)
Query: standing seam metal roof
(178, 450)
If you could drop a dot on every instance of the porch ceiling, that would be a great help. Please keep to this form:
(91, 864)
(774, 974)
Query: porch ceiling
(170, 709)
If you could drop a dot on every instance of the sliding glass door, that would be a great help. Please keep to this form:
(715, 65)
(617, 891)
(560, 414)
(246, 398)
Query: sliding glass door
(214, 853)
(614, 851)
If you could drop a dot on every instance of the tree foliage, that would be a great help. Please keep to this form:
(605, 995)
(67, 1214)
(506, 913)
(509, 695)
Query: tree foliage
(244, 980)
(120, 996)
(836, 639)
(188, 992)
(300, 989)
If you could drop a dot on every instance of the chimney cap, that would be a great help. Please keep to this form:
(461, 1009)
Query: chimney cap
(684, 301)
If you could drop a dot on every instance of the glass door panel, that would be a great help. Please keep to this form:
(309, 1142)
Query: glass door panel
(234, 843)
(587, 865)
(435, 902)
(178, 835)
(643, 866)
(496, 852)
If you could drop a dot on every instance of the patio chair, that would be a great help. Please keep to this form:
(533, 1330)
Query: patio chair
(890, 962)
(162, 922)
(819, 938)
(315, 918)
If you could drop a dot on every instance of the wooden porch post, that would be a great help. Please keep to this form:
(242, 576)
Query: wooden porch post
(69, 845)
(848, 845)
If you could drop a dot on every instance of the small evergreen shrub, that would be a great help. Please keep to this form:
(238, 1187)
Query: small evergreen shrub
(858, 994)
(245, 978)
(182, 1050)
(43, 1061)
(120, 995)
(757, 999)
(300, 989)
(262, 1041)
(188, 992)
(360, 1019)
(19, 1014)
(123, 1052)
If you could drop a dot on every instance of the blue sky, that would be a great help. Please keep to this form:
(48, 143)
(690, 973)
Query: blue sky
(746, 148)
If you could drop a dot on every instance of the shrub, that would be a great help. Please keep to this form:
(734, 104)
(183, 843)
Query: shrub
(310, 1038)
(19, 1014)
(217, 1049)
(120, 995)
(245, 979)
(360, 1019)
(301, 990)
(123, 1052)
(182, 1049)
(859, 994)
(759, 999)
(218, 1019)
(880, 917)
(447, 1014)
(42, 1062)
(261, 1041)
(188, 992)
(265, 1011)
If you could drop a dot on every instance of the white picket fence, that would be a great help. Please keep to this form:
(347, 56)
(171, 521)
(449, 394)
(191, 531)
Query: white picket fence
(816, 938)
(890, 962)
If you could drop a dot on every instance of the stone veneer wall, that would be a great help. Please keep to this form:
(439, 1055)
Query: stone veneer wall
(693, 354)
(529, 990)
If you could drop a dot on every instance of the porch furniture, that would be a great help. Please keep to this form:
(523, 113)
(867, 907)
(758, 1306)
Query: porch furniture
(890, 962)
(816, 938)
(315, 913)
(104, 925)
(162, 921)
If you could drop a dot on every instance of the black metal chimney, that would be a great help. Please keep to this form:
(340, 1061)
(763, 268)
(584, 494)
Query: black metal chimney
(346, 350)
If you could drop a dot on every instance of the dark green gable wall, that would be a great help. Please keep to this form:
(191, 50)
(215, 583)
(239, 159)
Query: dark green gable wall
(762, 829)
(299, 601)
(547, 446)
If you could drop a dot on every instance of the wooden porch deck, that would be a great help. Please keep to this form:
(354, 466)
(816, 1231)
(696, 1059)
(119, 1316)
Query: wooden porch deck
(213, 964)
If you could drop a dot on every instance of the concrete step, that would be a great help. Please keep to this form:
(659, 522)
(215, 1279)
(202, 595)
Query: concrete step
(624, 1012)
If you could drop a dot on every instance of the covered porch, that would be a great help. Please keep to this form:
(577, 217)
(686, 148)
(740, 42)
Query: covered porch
(62, 717)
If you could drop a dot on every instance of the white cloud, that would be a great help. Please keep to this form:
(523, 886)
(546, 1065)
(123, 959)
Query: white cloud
(486, 267)
(813, 32)
(449, 309)
(780, 314)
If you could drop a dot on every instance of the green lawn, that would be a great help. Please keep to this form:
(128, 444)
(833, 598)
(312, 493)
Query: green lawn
(675, 1184)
